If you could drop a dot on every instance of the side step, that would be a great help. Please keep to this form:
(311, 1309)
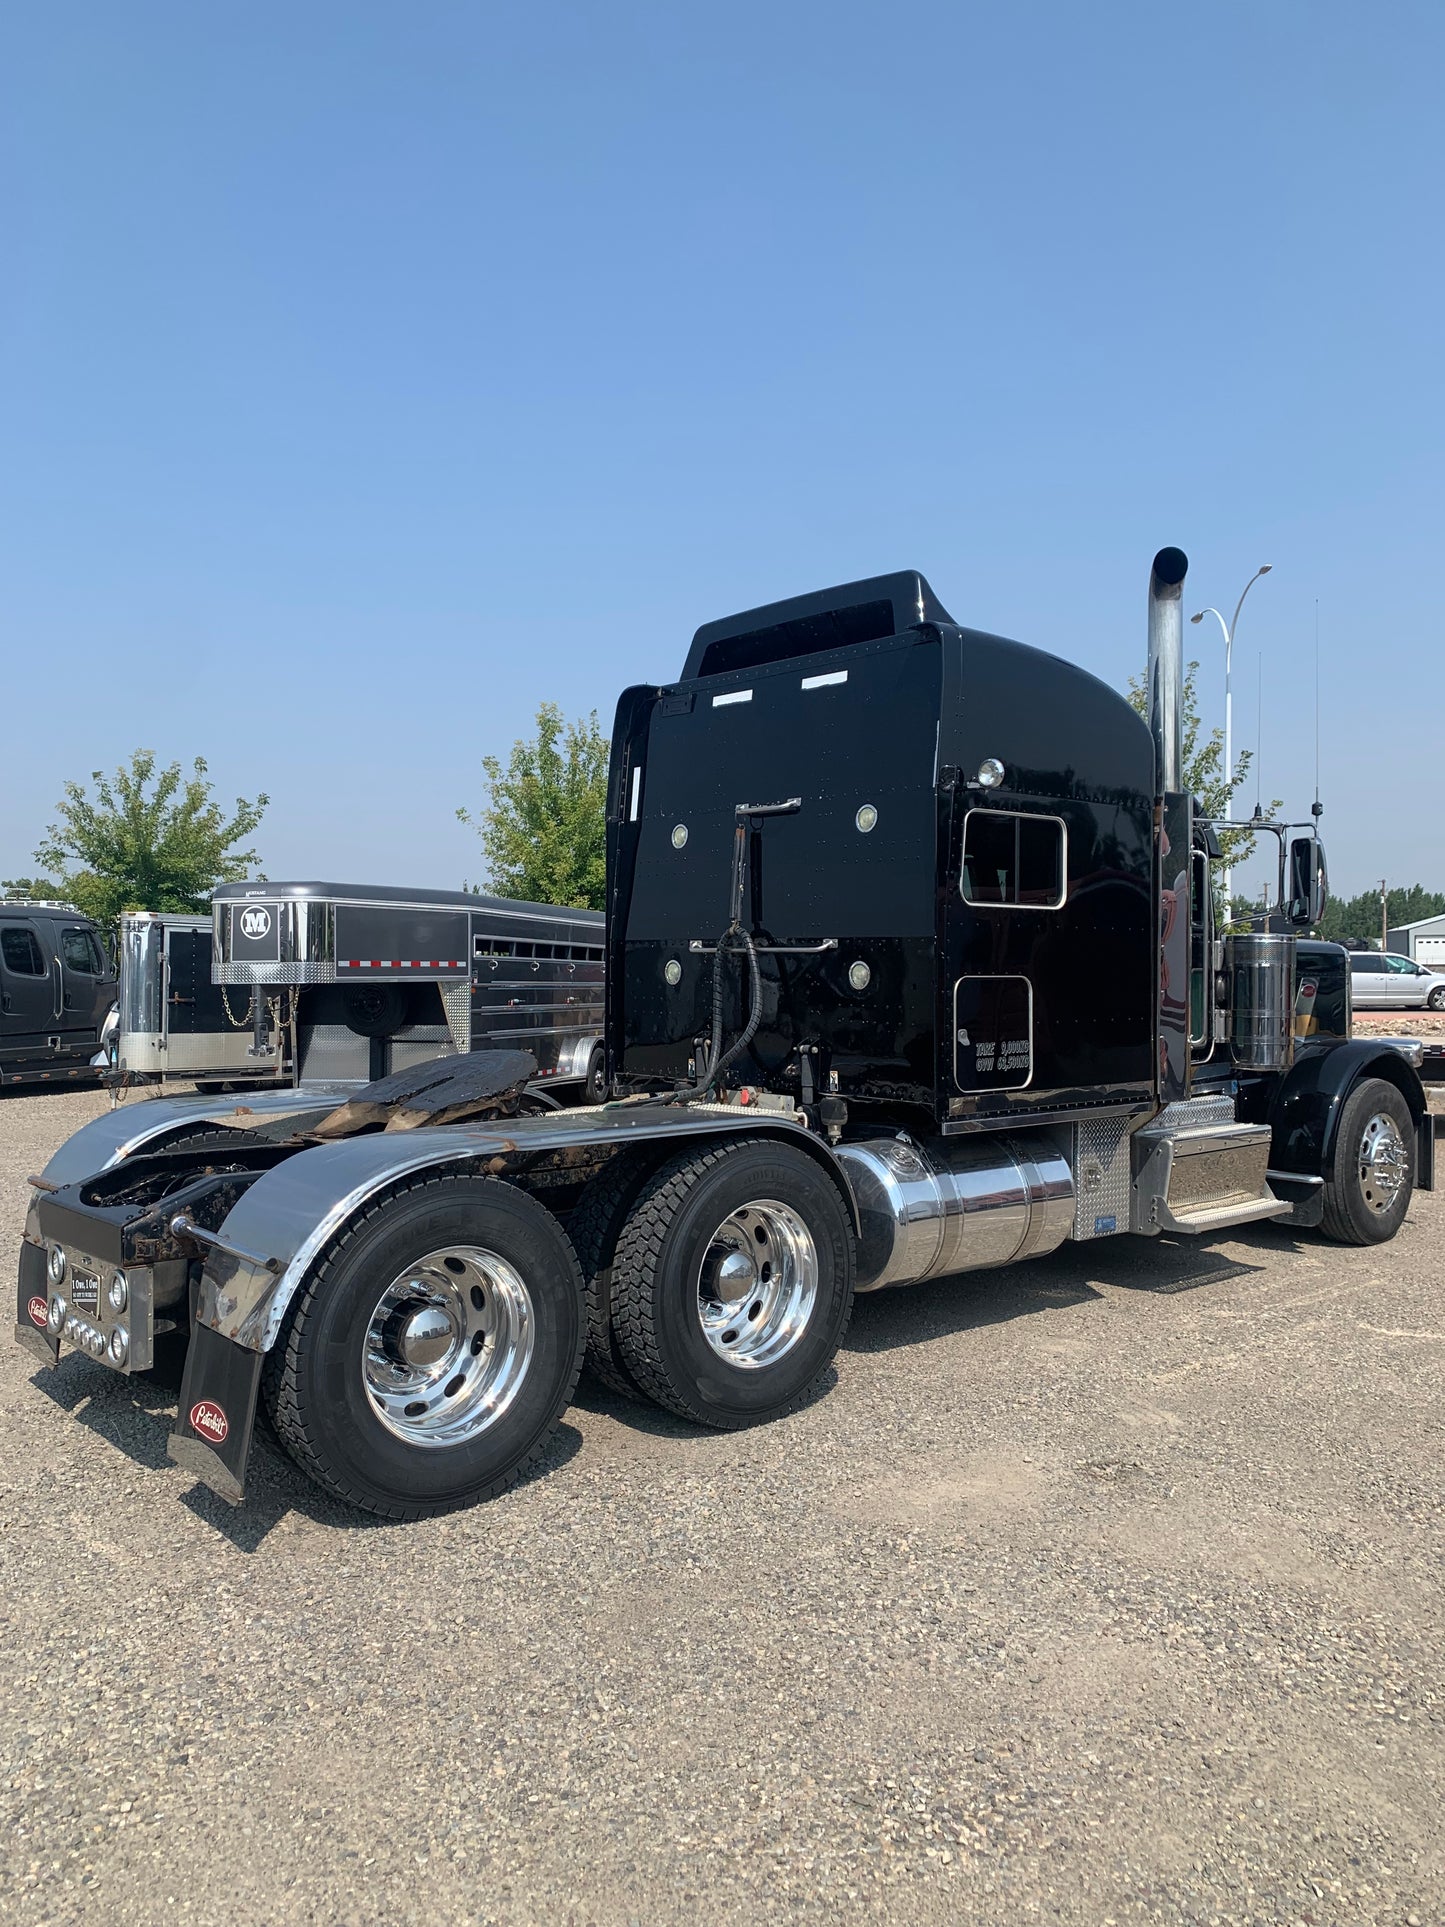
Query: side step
(1203, 1177)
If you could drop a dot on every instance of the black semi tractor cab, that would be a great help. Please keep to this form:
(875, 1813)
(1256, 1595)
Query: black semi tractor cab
(911, 968)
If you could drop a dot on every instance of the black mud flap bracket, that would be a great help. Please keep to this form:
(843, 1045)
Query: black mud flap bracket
(1425, 1153)
(211, 1438)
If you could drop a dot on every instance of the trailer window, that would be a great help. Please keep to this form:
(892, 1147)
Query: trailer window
(21, 951)
(1010, 858)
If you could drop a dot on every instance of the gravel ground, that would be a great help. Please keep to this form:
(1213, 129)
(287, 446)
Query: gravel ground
(1101, 1591)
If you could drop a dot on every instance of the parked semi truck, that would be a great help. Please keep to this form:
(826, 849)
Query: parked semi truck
(911, 968)
(341, 983)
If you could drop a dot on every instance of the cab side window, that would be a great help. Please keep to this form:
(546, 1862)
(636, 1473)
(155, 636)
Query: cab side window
(21, 952)
(1401, 966)
(1010, 858)
(82, 953)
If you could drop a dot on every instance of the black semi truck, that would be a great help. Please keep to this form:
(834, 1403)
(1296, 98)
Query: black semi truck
(911, 968)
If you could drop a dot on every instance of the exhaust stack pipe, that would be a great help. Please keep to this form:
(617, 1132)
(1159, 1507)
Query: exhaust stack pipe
(1166, 666)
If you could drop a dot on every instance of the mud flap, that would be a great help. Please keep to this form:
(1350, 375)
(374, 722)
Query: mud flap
(212, 1434)
(1425, 1153)
(32, 1306)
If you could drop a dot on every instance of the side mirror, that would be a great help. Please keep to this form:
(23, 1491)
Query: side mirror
(1308, 882)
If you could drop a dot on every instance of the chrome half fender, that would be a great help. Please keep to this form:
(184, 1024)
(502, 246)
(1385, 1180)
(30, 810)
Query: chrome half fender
(130, 1128)
(290, 1215)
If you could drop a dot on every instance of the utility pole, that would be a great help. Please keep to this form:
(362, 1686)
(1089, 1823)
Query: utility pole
(1384, 916)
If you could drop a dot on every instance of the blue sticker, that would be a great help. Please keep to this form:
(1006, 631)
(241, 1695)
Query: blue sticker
(1101, 1225)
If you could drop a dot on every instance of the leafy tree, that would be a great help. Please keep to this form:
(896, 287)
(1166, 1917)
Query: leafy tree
(1359, 917)
(146, 840)
(1204, 774)
(544, 827)
(38, 889)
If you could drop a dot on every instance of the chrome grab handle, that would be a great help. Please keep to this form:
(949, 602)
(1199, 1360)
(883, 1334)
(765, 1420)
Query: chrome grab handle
(183, 1225)
(700, 949)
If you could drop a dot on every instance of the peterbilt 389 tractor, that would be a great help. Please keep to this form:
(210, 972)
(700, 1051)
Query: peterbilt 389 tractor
(911, 968)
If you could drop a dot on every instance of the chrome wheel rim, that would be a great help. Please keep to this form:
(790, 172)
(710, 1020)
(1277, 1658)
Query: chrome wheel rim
(757, 1284)
(448, 1345)
(1384, 1163)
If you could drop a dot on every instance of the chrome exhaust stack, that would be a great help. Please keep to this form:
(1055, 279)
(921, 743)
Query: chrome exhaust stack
(1166, 667)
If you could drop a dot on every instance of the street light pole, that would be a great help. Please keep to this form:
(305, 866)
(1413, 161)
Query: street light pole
(1229, 629)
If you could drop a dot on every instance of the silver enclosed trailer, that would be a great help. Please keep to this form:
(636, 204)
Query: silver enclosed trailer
(174, 1022)
(342, 983)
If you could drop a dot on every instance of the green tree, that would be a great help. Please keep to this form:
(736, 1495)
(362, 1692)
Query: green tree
(1204, 774)
(1359, 917)
(37, 889)
(544, 827)
(147, 839)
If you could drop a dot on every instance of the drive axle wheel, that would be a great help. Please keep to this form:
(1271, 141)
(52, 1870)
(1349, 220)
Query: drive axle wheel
(594, 1228)
(1436, 999)
(1372, 1175)
(428, 1358)
(732, 1282)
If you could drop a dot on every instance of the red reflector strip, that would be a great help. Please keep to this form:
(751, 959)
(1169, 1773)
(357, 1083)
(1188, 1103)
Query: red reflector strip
(401, 963)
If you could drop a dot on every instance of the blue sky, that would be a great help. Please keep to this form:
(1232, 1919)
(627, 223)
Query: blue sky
(371, 374)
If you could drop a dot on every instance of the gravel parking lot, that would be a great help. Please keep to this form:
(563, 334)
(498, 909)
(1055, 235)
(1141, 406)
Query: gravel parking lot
(1102, 1590)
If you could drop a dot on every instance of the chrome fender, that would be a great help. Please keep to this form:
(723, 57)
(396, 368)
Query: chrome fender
(284, 1221)
(131, 1128)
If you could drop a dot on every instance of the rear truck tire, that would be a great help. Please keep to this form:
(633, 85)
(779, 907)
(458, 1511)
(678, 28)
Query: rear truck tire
(594, 1228)
(1372, 1168)
(426, 1361)
(1436, 999)
(732, 1283)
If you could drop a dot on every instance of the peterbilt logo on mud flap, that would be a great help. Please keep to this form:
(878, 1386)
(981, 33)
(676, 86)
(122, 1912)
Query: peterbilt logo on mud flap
(207, 1418)
(255, 923)
(39, 1312)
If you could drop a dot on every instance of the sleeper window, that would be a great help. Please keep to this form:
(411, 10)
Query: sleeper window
(21, 952)
(1010, 858)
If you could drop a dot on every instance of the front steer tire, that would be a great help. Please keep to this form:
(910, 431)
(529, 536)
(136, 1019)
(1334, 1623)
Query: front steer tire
(313, 1385)
(659, 1281)
(1357, 1209)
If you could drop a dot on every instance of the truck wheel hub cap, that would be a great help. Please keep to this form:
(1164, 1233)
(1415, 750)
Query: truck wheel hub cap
(757, 1284)
(1384, 1163)
(448, 1346)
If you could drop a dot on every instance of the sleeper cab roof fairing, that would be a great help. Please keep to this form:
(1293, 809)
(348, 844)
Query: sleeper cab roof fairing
(807, 625)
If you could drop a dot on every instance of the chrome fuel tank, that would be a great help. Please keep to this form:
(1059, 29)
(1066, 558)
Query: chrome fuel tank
(929, 1209)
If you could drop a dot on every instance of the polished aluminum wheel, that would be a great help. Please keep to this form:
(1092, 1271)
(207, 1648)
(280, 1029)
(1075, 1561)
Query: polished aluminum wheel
(1384, 1163)
(758, 1284)
(448, 1346)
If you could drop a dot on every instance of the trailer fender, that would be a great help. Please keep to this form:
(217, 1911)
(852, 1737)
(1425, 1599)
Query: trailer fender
(284, 1222)
(1305, 1112)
